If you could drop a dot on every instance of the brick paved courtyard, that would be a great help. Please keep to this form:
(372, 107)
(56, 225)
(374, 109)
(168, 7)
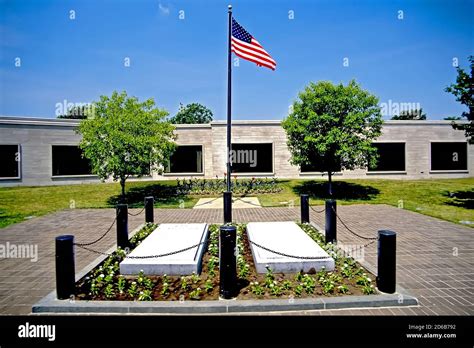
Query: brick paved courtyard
(435, 258)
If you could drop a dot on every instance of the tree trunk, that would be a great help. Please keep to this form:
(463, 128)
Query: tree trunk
(330, 184)
(122, 184)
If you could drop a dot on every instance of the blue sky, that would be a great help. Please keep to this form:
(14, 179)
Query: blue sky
(175, 60)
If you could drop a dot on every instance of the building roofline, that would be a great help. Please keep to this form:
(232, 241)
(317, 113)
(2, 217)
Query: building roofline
(199, 125)
(247, 122)
(389, 122)
(422, 122)
(38, 121)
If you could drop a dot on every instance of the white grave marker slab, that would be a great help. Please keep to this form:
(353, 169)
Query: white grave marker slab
(168, 238)
(287, 238)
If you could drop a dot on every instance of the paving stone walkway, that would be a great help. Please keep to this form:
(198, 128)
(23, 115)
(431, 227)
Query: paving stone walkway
(435, 258)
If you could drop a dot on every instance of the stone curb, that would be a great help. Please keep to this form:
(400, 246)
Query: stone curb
(50, 304)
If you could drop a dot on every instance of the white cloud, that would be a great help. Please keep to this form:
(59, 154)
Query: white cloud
(163, 9)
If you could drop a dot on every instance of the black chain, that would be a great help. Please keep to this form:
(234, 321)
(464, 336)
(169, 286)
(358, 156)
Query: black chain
(100, 238)
(354, 233)
(166, 254)
(317, 211)
(141, 211)
(287, 255)
(369, 243)
(92, 250)
(148, 256)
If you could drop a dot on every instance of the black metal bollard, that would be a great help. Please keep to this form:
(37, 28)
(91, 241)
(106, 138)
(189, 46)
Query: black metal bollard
(227, 207)
(387, 261)
(227, 261)
(304, 209)
(65, 270)
(331, 225)
(149, 205)
(122, 226)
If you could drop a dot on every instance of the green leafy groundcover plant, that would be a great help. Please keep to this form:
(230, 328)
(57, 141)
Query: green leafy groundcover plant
(105, 283)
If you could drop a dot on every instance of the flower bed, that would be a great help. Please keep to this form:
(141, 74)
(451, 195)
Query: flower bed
(240, 187)
(105, 283)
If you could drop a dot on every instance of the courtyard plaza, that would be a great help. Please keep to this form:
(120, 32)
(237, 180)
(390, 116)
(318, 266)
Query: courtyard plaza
(435, 258)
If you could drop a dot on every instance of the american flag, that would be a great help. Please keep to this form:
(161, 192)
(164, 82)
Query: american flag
(246, 47)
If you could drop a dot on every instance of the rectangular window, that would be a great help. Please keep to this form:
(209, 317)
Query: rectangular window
(449, 156)
(317, 165)
(252, 158)
(68, 160)
(186, 159)
(10, 161)
(391, 157)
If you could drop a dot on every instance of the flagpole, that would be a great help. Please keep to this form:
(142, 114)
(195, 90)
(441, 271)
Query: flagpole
(227, 197)
(229, 99)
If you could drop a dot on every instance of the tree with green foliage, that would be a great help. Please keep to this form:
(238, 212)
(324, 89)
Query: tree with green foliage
(77, 112)
(453, 118)
(336, 124)
(192, 114)
(463, 91)
(415, 114)
(126, 137)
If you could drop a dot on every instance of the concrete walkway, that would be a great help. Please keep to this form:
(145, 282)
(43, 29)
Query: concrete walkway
(435, 258)
(237, 203)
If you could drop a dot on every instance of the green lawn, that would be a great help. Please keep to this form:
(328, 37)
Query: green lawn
(18, 203)
(448, 199)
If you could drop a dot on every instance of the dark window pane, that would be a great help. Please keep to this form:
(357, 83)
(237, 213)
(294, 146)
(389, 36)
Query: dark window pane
(252, 158)
(9, 161)
(391, 157)
(449, 156)
(186, 159)
(318, 164)
(67, 160)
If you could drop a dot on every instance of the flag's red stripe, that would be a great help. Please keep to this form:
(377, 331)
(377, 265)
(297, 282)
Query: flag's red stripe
(257, 54)
(256, 43)
(272, 67)
(251, 49)
(258, 62)
(252, 53)
(250, 45)
(253, 57)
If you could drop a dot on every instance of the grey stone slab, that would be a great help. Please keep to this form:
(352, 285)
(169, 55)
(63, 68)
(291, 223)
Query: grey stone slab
(169, 238)
(285, 238)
